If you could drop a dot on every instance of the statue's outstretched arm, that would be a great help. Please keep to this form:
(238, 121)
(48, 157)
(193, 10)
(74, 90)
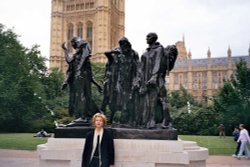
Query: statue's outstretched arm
(109, 54)
(67, 57)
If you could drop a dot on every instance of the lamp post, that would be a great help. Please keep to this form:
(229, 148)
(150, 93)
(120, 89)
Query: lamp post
(188, 107)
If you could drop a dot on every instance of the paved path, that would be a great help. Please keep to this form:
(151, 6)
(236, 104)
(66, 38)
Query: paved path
(227, 161)
(18, 158)
(14, 158)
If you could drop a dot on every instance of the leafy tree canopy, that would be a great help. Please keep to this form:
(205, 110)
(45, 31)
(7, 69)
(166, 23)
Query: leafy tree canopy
(25, 84)
(233, 99)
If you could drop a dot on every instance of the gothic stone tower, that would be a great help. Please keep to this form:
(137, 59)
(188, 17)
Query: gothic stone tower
(100, 22)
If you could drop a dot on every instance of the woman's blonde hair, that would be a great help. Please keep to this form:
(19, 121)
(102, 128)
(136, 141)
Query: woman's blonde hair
(104, 118)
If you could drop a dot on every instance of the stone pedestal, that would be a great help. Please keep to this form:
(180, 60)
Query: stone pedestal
(61, 152)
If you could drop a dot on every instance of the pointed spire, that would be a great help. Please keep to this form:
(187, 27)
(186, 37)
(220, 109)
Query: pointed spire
(209, 53)
(229, 52)
(189, 54)
(183, 38)
(249, 50)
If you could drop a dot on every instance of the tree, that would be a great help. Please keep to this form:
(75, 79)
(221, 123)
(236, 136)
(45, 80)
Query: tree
(189, 116)
(23, 97)
(179, 98)
(98, 72)
(233, 99)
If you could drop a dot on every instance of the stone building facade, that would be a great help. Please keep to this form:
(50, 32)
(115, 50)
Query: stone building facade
(202, 77)
(100, 22)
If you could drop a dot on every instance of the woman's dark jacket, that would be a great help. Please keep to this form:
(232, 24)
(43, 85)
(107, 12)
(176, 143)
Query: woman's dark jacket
(107, 149)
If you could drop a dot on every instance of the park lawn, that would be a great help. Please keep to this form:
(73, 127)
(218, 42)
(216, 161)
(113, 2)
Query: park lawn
(215, 144)
(20, 141)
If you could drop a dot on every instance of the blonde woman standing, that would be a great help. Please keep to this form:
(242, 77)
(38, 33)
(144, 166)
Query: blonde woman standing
(99, 145)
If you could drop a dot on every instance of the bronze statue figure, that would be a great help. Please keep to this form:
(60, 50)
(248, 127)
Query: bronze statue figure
(155, 63)
(150, 70)
(120, 74)
(167, 64)
(127, 74)
(79, 78)
(109, 84)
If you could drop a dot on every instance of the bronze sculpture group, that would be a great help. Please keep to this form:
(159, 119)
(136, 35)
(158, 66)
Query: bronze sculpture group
(132, 86)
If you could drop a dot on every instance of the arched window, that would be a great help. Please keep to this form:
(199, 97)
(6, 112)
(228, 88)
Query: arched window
(90, 33)
(70, 31)
(79, 29)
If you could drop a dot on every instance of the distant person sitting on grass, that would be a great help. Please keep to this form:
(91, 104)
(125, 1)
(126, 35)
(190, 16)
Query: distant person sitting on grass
(42, 133)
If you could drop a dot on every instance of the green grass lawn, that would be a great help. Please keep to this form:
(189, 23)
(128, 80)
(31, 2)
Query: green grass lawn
(215, 144)
(20, 141)
(26, 141)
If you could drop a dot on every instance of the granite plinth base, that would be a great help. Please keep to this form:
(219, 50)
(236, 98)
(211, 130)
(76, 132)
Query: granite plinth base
(119, 133)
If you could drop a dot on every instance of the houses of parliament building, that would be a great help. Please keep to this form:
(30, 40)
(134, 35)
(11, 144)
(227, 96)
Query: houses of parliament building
(102, 24)
(202, 77)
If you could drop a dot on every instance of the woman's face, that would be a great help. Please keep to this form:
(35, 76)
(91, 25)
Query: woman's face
(99, 122)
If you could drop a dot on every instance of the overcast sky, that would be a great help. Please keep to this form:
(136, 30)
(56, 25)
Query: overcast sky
(207, 23)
